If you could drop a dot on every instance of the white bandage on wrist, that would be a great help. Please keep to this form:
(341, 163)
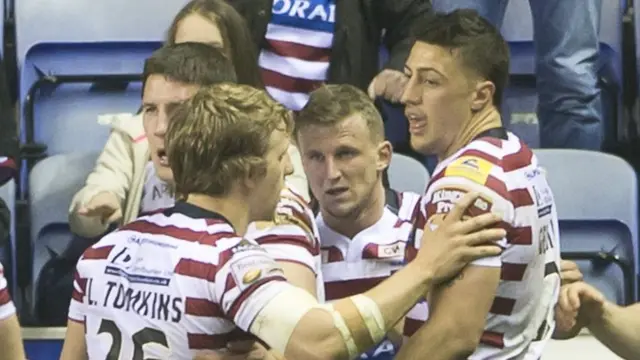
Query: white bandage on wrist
(276, 322)
(371, 315)
(342, 327)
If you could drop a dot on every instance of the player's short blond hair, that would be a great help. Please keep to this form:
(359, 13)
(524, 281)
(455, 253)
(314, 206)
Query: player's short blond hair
(221, 135)
(330, 105)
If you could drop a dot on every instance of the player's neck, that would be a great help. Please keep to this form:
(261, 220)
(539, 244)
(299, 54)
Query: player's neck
(479, 123)
(366, 217)
(233, 210)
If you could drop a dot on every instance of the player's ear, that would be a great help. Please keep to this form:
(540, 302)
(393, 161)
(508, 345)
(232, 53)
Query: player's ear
(483, 95)
(253, 175)
(385, 151)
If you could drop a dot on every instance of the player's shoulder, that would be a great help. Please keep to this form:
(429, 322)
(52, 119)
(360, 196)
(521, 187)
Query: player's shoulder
(293, 209)
(506, 154)
(485, 163)
(176, 226)
(408, 203)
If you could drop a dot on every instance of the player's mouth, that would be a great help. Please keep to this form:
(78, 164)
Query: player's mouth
(163, 159)
(417, 123)
(337, 191)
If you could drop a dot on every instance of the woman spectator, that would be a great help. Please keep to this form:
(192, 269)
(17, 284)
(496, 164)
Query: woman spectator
(124, 175)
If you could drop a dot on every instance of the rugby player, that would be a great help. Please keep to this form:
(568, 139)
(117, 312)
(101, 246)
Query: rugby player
(10, 338)
(500, 307)
(168, 284)
(171, 75)
(363, 227)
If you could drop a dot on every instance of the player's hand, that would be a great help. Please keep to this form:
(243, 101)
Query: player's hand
(389, 84)
(578, 304)
(569, 272)
(105, 205)
(451, 245)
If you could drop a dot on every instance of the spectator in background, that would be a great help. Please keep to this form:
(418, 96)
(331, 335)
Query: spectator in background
(116, 187)
(9, 149)
(124, 183)
(304, 44)
(9, 144)
(567, 49)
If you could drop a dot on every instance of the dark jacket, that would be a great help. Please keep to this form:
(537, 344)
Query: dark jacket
(9, 146)
(356, 43)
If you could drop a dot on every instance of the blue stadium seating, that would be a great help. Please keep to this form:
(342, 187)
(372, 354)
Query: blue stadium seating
(81, 59)
(407, 174)
(597, 199)
(521, 99)
(43, 343)
(53, 183)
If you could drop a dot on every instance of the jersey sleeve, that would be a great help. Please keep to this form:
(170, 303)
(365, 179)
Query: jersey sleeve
(292, 237)
(77, 307)
(246, 280)
(6, 305)
(469, 174)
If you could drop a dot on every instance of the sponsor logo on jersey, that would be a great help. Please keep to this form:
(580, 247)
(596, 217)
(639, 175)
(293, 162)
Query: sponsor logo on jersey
(305, 9)
(138, 269)
(470, 167)
(246, 245)
(251, 276)
(144, 241)
(445, 199)
(249, 269)
(391, 250)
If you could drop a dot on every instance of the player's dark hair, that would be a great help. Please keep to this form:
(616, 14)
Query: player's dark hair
(190, 63)
(478, 43)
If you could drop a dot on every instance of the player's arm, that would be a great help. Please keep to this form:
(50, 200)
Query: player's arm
(292, 250)
(454, 328)
(290, 240)
(292, 322)
(10, 339)
(292, 246)
(616, 327)
(75, 345)
(619, 329)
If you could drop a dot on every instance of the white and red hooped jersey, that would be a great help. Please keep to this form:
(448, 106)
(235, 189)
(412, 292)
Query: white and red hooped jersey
(170, 284)
(6, 305)
(295, 57)
(293, 237)
(509, 180)
(353, 266)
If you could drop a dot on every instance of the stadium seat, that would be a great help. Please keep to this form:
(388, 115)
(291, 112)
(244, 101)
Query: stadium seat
(8, 253)
(597, 199)
(407, 174)
(78, 59)
(521, 99)
(43, 343)
(53, 182)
